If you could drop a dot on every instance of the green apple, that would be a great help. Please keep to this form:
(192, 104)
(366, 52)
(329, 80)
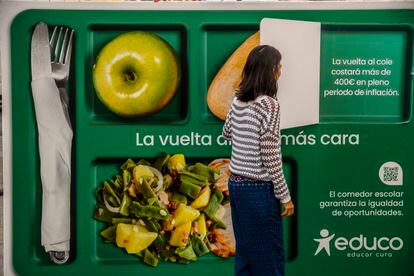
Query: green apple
(136, 74)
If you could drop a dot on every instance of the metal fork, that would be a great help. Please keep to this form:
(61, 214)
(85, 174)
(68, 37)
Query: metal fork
(61, 62)
(61, 53)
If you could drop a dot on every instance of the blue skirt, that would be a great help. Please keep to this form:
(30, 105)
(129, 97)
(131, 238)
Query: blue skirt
(258, 230)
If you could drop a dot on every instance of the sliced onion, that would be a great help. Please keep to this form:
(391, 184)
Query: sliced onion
(108, 206)
(158, 174)
(163, 197)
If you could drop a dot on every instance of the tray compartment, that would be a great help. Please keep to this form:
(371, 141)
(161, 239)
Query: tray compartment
(27, 185)
(175, 112)
(219, 41)
(106, 168)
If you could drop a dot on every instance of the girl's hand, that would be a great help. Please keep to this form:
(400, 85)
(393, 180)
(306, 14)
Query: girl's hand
(289, 209)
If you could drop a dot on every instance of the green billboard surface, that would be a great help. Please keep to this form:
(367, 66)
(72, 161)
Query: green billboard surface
(351, 175)
(365, 74)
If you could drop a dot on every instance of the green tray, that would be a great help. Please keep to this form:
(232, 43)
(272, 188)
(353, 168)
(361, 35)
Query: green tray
(204, 40)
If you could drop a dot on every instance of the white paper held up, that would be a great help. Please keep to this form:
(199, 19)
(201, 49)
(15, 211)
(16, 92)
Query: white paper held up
(299, 44)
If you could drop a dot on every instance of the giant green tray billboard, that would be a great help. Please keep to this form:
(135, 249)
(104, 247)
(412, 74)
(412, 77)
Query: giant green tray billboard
(350, 175)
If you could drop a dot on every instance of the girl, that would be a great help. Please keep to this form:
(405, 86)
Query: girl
(257, 184)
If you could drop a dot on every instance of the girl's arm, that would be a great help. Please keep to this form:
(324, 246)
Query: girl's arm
(270, 148)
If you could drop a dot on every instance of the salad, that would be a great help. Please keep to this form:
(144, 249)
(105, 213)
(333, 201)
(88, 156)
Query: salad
(167, 209)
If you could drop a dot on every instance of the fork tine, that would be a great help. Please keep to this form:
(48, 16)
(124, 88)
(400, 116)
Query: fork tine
(64, 46)
(53, 38)
(69, 48)
(58, 44)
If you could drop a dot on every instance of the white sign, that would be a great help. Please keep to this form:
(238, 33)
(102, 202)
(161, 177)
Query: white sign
(299, 44)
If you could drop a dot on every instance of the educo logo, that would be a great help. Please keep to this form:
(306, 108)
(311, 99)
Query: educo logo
(358, 246)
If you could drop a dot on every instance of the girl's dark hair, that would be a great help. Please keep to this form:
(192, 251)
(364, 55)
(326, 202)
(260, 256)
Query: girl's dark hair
(258, 77)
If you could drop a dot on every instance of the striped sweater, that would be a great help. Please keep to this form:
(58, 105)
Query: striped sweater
(253, 129)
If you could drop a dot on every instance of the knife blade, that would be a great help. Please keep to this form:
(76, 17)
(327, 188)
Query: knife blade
(40, 52)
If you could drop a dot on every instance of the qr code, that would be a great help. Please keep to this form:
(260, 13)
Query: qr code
(390, 174)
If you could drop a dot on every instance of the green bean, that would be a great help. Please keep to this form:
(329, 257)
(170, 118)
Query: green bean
(193, 178)
(167, 253)
(117, 184)
(102, 214)
(189, 189)
(200, 248)
(205, 170)
(160, 242)
(149, 211)
(218, 223)
(126, 202)
(153, 201)
(143, 162)
(109, 233)
(214, 203)
(160, 162)
(154, 226)
(183, 261)
(207, 243)
(184, 178)
(178, 198)
(148, 192)
(150, 224)
(169, 168)
(150, 258)
(126, 179)
(186, 253)
(129, 165)
(122, 220)
(157, 225)
(111, 192)
(200, 169)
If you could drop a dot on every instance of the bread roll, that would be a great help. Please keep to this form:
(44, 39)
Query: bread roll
(221, 91)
